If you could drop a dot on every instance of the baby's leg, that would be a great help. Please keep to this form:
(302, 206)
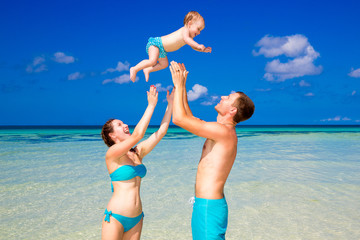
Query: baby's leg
(163, 63)
(153, 57)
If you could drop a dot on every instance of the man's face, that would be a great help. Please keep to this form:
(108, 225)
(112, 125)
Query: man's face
(226, 103)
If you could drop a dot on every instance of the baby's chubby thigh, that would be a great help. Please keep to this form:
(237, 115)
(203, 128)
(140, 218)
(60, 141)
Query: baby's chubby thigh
(154, 53)
(164, 62)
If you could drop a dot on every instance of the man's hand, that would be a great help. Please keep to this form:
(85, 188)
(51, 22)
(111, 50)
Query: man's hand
(178, 73)
(185, 72)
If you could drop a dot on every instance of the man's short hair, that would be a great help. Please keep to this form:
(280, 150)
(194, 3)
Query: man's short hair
(245, 107)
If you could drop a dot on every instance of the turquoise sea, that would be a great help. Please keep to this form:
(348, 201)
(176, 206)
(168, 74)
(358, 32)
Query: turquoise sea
(288, 182)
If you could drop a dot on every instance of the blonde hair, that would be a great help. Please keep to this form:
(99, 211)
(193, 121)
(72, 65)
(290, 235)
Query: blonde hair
(192, 15)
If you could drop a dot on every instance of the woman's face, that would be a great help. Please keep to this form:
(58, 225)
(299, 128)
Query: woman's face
(120, 130)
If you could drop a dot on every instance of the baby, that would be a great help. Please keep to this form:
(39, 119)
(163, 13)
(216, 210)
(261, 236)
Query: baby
(158, 47)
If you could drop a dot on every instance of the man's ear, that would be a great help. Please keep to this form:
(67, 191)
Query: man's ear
(233, 111)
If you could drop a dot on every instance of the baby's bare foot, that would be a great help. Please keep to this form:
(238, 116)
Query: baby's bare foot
(132, 74)
(146, 73)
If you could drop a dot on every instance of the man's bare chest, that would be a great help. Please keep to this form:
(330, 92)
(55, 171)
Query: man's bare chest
(208, 146)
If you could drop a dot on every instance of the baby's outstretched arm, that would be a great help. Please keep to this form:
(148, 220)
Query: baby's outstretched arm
(196, 46)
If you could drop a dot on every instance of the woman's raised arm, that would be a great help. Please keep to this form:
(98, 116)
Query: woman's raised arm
(146, 146)
(119, 149)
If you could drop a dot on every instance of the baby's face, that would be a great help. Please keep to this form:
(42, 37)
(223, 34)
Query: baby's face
(196, 27)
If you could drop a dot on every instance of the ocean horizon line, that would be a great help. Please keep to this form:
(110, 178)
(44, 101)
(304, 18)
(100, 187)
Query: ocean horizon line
(174, 126)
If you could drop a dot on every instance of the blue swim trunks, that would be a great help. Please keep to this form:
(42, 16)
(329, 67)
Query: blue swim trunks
(157, 43)
(209, 219)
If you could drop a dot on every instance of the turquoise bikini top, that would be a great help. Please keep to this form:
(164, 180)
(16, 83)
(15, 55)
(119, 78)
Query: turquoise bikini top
(127, 172)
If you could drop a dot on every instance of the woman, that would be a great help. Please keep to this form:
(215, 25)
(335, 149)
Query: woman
(123, 216)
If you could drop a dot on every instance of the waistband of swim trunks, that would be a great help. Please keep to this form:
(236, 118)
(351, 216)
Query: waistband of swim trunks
(210, 202)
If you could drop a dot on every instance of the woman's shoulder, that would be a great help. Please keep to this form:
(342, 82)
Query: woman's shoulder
(132, 155)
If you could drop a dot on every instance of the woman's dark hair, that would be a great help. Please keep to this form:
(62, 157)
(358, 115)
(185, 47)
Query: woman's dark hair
(106, 130)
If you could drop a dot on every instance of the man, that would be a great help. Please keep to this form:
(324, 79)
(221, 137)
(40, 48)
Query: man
(210, 211)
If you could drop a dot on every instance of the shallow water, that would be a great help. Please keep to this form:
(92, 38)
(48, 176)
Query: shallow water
(286, 183)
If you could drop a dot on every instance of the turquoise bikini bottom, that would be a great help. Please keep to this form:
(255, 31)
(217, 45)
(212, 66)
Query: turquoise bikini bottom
(127, 222)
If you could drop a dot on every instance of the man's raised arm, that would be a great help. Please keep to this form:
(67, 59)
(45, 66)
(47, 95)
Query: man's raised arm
(179, 111)
(185, 99)
(212, 130)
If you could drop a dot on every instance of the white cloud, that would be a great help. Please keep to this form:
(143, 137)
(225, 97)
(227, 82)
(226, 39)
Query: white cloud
(38, 60)
(302, 83)
(353, 93)
(159, 88)
(310, 94)
(125, 78)
(40, 68)
(207, 103)
(290, 46)
(119, 68)
(196, 92)
(296, 47)
(37, 65)
(75, 76)
(336, 119)
(355, 73)
(61, 57)
(263, 89)
(211, 101)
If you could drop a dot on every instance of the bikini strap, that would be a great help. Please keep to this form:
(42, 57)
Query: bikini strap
(108, 214)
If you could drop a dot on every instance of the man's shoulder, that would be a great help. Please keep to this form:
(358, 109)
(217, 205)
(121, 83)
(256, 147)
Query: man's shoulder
(226, 133)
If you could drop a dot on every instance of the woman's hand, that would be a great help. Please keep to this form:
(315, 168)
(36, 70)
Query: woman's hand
(152, 96)
(170, 97)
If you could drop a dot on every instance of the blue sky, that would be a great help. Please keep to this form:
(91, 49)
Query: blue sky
(66, 62)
